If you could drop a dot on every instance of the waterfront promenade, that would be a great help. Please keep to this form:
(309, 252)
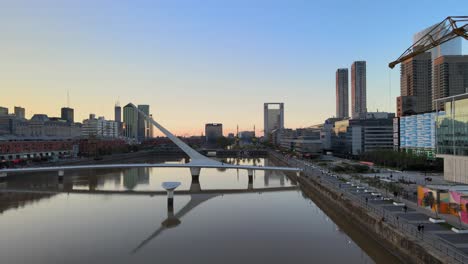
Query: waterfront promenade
(436, 238)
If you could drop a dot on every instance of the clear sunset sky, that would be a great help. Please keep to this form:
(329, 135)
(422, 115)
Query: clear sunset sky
(204, 61)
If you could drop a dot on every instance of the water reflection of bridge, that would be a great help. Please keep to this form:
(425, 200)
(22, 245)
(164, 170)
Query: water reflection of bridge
(197, 197)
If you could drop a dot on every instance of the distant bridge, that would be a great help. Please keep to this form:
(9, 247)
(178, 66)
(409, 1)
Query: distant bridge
(197, 160)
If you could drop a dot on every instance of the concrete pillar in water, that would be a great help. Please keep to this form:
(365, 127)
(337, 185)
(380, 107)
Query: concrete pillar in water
(170, 201)
(170, 187)
(195, 171)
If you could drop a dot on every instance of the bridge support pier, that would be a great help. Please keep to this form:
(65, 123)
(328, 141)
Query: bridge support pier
(195, 172)
(170, 201)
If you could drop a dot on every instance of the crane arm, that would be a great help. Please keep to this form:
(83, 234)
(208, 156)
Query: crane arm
(449, 28)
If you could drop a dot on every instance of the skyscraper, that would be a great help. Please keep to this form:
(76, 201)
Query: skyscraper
(130, 119)
(451, 47)
(67, 113)
(273, 118)
(419, 85)
(450, 77)
(143, 124)
(342, 100)
(358, 89)
(20, 112)
(117, 113)
(415, 84)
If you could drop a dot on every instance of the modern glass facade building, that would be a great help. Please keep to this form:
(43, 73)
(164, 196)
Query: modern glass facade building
(452, 137)
(130, 118)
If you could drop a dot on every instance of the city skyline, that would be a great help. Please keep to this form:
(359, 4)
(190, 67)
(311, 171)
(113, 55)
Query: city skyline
(139, 53)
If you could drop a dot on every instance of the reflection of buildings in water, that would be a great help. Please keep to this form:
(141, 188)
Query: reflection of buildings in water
(19, 200)
(143, 176)
(130, 178)
(134, 176)
(277, 176)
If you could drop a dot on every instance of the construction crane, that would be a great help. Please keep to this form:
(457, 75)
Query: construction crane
(449, 28)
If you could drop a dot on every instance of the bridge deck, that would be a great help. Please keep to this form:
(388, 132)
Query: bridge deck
(152, 193)
(150, 165)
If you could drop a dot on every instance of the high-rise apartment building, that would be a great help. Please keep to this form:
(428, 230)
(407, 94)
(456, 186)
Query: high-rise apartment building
(67, 114)
(130, 119)
(342, 100)
(20, 112)
(273, 118)
(419, 86)
(451, 47)
(416, 84)
(358, 89)
(450, 77)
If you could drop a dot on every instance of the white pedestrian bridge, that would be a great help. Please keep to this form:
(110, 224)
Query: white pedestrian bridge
(197, 160)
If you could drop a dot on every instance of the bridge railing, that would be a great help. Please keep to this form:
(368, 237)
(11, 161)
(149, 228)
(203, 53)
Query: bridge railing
(405, 227)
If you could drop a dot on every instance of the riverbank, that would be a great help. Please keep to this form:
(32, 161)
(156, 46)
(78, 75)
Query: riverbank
(334, 200)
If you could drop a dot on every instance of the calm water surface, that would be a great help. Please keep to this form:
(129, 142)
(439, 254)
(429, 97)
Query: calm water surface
(251, 227)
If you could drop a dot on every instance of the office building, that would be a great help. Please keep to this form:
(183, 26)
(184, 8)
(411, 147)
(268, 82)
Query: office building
(450, 77)
(67, 114)
(304, 141)
(342, 100)
(213, 131)
(416, 134)
(452, 137)
(99, 127)
(20, 112)
(373, 131)
(326, 133)
(358, 89)
(416, 85)
(130, 120)
(143, 124)
(273, 118)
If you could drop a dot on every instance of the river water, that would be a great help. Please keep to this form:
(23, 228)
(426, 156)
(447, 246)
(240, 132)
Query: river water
(52, 224)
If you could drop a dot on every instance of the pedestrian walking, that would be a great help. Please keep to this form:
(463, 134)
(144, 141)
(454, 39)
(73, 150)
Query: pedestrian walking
(405, 208)
(419, 227)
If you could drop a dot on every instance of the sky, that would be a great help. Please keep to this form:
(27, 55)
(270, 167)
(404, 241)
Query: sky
(197, 62)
